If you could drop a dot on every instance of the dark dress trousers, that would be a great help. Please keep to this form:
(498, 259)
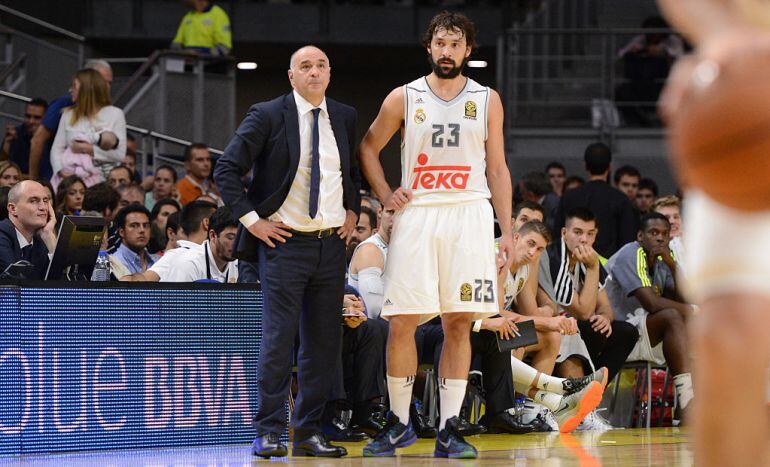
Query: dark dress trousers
(303, 279)
(10, 252)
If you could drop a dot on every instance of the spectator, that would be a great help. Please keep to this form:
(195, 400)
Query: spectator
(131, 257)
(49, 187)
(130, 194)
(29, 232)
(194, 223)
(4, 202)
(671, 207)
(205, 29)
(215, 260)
(647, 59)
(643, 290)
(626, 180)
(646, 195)
(612, 209)
(102, 198)
(18, 139)
(158, 217)
(367, 224)
(39, 158)
(10, 173)
(557, 174)
(69, 196)
(91, 137)
(132, 145)
(572, 182)
(196, 183)
(119, 176)
(163, 186)
(172, 232)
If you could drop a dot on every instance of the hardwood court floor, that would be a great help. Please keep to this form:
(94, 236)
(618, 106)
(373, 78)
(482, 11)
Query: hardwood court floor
(633, 447)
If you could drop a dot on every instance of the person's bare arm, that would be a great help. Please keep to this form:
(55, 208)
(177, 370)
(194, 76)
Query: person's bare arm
(653, 303)
(498, 177)
(39, 140)
(583, 303)
(385, 125)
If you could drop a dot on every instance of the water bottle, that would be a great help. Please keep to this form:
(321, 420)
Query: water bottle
(101, 268)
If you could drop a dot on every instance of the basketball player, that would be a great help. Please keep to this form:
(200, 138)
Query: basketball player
(441, 259)
(732, 339)
(570, 399)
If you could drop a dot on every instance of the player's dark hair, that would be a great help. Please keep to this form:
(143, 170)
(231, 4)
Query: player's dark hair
(221, 219)
(531, 205)
(172, 222)
(193, 214)
(649, 184)
(653, 216)
(584, 214)
(451, 21)
(371, 215)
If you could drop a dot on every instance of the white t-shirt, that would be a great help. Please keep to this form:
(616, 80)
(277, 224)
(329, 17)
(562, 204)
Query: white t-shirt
(166, 262)
(196, 264)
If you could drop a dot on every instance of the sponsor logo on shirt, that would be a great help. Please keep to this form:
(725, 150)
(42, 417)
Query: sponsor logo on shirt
(470, 110)
(440, 177)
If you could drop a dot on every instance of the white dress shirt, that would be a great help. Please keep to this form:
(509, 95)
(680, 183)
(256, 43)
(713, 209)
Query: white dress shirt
(294, 210)
(166, 263)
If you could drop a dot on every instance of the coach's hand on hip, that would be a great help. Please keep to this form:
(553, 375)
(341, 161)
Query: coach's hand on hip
(264, 230)
(346, 231)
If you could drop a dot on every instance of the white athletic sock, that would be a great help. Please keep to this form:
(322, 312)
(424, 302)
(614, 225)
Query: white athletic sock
(451, 393)
(548, 399)
(400, 395)
(525, 374)
(683, 386)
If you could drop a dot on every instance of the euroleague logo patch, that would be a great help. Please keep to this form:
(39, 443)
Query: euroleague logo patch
(419, 116)
(470, 110)
(437, 177)
(466, 292)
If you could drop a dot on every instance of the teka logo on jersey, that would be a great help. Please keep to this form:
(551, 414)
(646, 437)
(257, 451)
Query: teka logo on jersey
(438, 177)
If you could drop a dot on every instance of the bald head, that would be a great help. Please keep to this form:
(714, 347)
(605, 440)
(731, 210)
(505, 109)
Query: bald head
(301, 52)
(21, 188)
(310, 73)
(102, 67)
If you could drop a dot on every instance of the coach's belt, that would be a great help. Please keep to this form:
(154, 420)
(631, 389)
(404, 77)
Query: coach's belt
(323, 233)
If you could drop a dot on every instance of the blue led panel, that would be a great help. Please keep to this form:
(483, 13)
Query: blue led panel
(111, 368)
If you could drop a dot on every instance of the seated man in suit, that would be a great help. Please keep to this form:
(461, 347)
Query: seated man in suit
(28, 233)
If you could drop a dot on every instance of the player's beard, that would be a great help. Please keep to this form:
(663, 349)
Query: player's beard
(454, 72)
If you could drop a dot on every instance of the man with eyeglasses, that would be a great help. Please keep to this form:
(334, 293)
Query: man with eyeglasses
(18, 139)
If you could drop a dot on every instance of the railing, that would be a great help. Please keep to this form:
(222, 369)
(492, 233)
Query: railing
(175, 82)
(149, 144)
(568, 77)
(49, 27)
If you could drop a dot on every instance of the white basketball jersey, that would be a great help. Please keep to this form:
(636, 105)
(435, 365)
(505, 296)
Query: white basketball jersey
(443, 154)
(514, 283)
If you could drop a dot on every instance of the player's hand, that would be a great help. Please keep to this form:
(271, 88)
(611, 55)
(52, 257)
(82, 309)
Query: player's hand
(346, 231)
(267, 231)
(353, 304)
(504, 253)
(505, 326)
(563, 325)
(601, 325)
(587, 255)
(398, 199)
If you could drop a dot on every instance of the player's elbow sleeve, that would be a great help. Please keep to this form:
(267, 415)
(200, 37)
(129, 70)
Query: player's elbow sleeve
(372, 290)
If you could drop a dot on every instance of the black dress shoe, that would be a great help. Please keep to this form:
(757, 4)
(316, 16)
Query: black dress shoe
(370, 422)
(317, 446)
(504, 422)
(337, 430)
(420, 423)
(465, 428)
(268, 445)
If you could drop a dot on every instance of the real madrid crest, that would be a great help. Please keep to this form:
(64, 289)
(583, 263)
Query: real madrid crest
(470, 110)
(419, 116)
(466, 292)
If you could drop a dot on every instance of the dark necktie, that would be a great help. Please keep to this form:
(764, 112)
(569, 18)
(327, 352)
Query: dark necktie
(315, 169)
(26, 252)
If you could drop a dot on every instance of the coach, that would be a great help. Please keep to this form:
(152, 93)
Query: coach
(298, 213)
